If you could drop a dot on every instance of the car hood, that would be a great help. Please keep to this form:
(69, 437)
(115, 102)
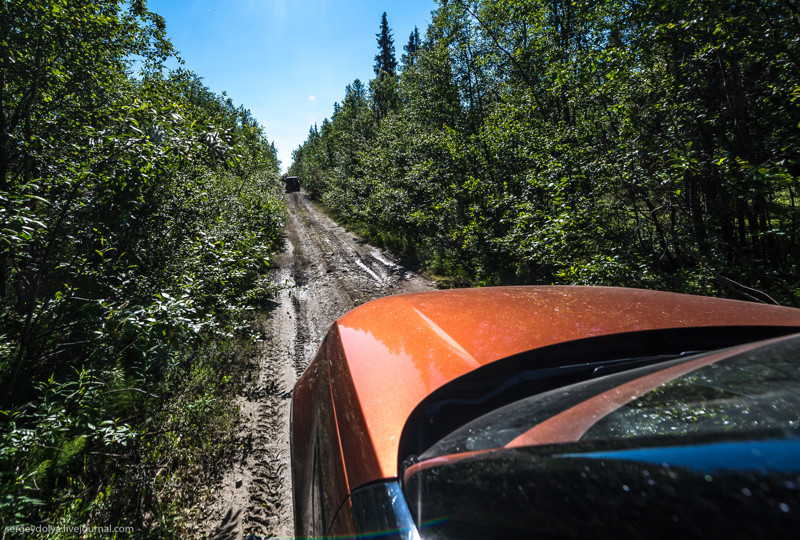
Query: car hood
(395, 351)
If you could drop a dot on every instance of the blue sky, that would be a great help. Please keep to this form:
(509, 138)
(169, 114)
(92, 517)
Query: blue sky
(287, 61)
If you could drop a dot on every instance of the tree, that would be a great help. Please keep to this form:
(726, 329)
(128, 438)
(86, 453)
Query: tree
(383, 88)
(385, 60)
(138, 213)
(412, 48)
(602, 142)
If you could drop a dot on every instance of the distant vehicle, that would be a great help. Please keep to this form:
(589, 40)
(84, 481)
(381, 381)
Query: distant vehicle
(292, 184)
(551, 412)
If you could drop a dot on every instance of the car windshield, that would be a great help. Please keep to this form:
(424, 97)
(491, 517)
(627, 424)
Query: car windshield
(714, 392)
(709, 444)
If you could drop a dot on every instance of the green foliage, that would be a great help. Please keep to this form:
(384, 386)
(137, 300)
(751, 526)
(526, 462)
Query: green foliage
(653, 145)
(138, 214)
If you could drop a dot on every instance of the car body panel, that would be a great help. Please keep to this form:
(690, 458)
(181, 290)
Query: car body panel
(399, 349)
(379, 361)
(317, 472)
(343, 525)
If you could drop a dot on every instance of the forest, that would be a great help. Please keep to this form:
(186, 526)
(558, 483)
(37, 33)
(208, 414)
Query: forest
(139, 213)
(652, 144)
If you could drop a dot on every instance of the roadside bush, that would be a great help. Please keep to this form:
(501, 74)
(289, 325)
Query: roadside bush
(139, 215)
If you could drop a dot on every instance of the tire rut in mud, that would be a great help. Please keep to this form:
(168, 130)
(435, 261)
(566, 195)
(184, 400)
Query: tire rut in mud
(323, 272)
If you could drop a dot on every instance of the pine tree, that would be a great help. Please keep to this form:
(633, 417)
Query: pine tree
(412, 48)
(385, 60)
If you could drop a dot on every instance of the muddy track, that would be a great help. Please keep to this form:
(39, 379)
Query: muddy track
(324, 271)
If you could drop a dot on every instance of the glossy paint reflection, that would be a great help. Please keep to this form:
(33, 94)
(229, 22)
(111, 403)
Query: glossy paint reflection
(397, 350)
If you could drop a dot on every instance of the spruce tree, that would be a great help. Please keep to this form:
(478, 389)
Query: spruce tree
(385, 60)
(412, 48)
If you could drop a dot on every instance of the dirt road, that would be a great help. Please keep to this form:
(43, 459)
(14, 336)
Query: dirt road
(324, 271)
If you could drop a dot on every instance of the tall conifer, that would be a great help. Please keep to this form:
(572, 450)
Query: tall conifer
(412, 48)
(385, 60)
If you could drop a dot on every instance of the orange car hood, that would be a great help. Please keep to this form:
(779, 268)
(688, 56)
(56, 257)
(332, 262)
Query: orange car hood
(399, 349)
